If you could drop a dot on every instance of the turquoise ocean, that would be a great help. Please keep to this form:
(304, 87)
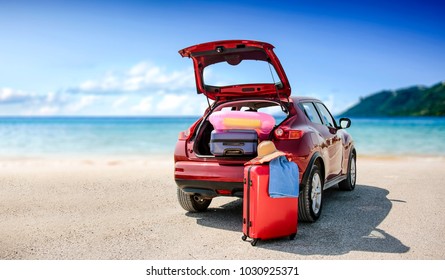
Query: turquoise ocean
(144, 136)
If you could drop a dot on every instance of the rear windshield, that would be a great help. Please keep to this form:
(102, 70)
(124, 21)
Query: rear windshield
(270, 108)
(246, 72)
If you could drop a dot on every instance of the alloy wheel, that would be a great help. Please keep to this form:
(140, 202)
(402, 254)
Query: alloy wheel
(316, 193)
(353, 171)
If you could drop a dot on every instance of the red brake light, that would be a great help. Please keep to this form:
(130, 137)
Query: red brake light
(182, 136)
(295, 134)
(283, 133)
(185, 135)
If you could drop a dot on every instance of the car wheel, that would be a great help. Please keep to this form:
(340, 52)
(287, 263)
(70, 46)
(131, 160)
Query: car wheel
(191, 202)
(310, 199)
(349, 183)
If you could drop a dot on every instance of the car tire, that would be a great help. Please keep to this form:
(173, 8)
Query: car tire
(191, 202)
(311, 196)
(349, 183)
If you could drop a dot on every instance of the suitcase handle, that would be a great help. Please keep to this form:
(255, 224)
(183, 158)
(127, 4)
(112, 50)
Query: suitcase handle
(233, 152)
(233, 143)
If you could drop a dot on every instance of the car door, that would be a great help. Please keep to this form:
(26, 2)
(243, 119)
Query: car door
(333, 141)
(320, 132)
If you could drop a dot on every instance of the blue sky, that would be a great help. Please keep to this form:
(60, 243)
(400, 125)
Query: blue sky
(120, 57)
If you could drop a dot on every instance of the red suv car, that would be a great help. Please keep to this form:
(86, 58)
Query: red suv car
(305, 129)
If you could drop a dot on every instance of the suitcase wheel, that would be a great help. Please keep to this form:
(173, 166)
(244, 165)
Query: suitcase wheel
(244, 237)
(254, 241)
(292, 236)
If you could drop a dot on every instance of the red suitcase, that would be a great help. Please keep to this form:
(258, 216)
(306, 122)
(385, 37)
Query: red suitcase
(265, 217)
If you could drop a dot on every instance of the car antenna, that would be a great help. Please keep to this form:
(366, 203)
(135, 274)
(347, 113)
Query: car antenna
(283, 108)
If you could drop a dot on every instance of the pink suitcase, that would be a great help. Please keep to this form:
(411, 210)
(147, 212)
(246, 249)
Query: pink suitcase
(265, 217)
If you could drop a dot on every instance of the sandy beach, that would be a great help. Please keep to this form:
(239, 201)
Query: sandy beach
(125, 208)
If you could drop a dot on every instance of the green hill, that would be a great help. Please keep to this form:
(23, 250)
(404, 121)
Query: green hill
(413, 101)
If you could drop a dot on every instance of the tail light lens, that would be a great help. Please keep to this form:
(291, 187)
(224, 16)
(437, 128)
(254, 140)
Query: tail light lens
(224, 192)
(185, 135)
(282, 133)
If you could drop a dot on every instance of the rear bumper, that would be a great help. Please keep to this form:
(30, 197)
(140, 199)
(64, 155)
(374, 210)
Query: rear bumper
(209, 179)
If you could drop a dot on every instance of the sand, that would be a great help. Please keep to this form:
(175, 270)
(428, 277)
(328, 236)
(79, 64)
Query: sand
(125, 208)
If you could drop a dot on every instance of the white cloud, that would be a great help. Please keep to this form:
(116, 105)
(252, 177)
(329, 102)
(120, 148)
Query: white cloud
(138, 69)
(144, 89)
(145, 106)
(168, 104)
(48, 110)
(51, 97)
(177, 104)
(141, 77)
(9, 95)
(109, 83)
(118, 102)
(82, 103)
(172, 102)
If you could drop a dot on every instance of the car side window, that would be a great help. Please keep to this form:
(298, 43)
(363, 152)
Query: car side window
(311, 112)
(325, 115)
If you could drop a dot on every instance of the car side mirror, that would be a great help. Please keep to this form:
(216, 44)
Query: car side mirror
(345, 123)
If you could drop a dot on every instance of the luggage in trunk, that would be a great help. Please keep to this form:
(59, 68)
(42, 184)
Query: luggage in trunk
(234, 142)
(265, 217)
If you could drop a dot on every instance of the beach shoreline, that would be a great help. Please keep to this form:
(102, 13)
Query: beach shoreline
(124, 207)
(149, 158)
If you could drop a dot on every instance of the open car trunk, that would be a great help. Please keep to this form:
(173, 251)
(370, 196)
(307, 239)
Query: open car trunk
(203, 135)
(267, 80)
